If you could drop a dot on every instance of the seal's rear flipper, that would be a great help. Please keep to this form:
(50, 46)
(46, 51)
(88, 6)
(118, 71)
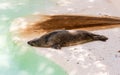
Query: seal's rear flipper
(100, 37)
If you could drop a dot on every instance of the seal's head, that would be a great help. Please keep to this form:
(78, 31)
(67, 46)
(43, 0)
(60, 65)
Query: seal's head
(33, 43)
(37, 42)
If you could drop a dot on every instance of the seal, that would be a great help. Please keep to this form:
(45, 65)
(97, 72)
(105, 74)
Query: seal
(63, 38)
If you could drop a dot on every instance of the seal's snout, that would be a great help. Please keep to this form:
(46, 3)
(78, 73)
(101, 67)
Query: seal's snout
(30, 43)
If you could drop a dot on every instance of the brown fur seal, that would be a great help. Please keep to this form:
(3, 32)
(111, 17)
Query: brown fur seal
(61, 38)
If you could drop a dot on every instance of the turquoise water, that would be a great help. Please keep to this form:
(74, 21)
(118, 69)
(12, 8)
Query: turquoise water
(17, 58)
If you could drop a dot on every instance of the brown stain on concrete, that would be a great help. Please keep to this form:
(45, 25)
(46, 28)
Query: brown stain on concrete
(70, 22)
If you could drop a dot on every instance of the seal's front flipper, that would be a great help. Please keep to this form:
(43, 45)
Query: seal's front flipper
(56, 46)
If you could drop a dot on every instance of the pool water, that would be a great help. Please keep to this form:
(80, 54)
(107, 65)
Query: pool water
(18, 58)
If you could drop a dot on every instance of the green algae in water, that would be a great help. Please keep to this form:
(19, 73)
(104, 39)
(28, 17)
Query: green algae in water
(15, 58)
